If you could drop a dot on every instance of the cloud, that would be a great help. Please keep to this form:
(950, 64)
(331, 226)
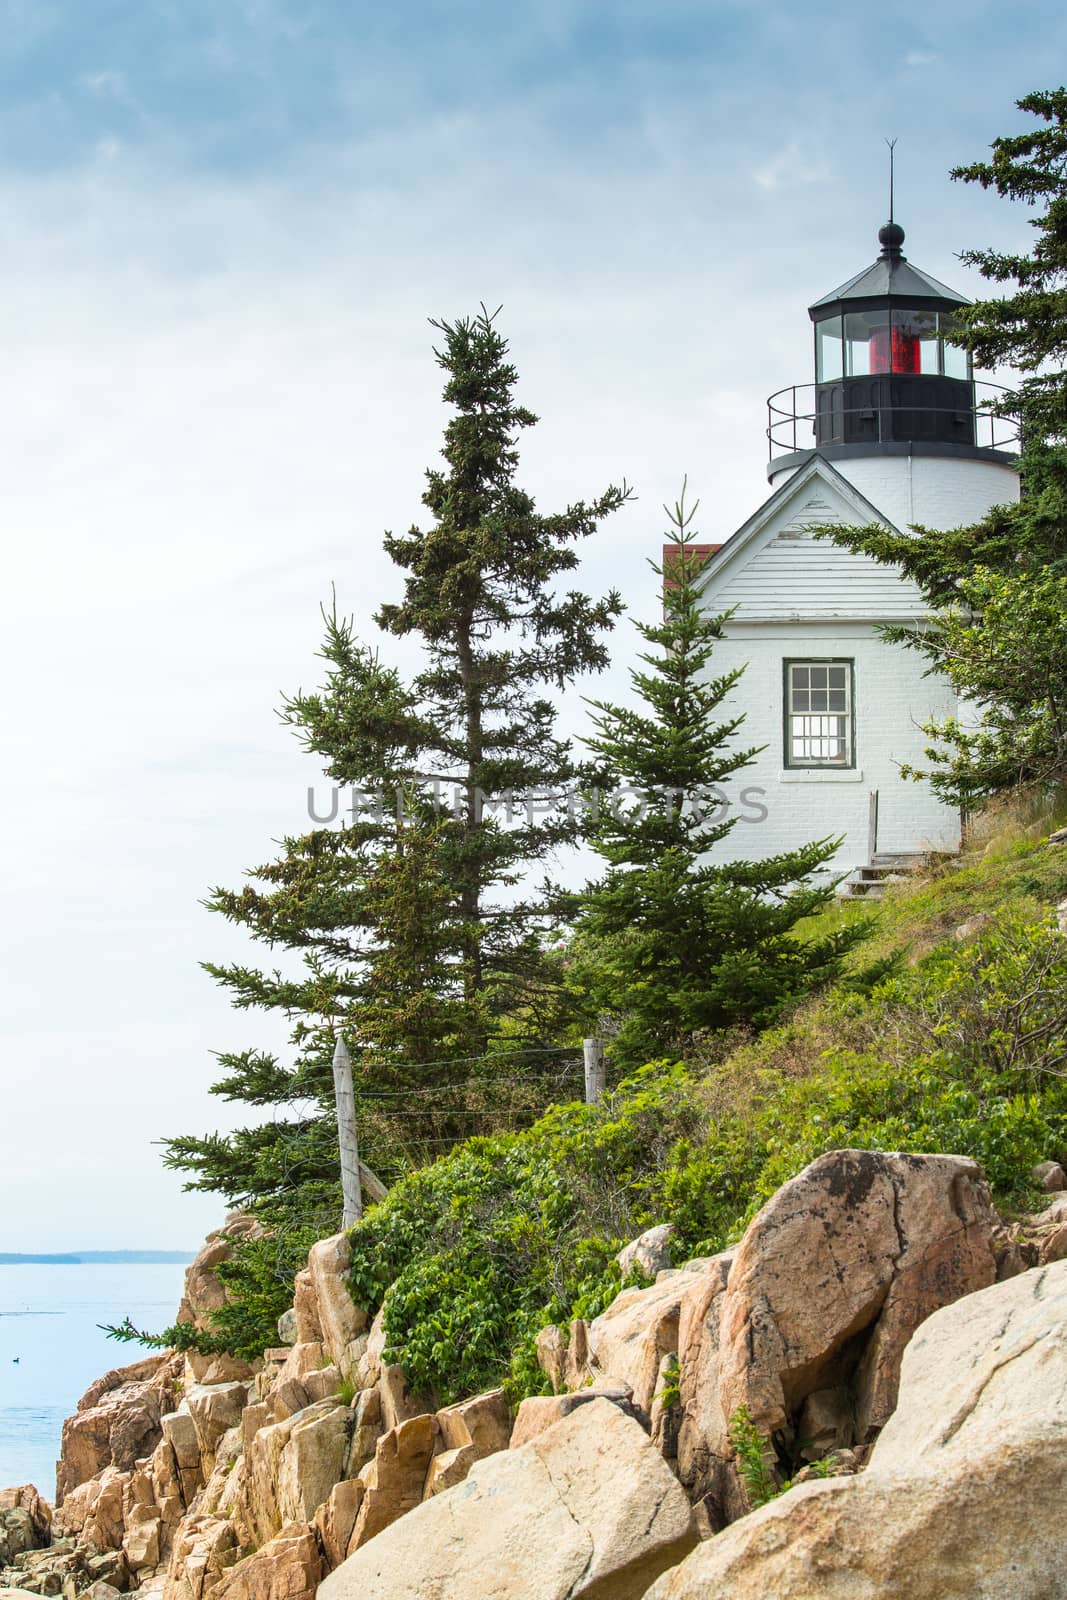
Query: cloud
(921, 58)
(791, 164)
(218, 391)
(106, 85)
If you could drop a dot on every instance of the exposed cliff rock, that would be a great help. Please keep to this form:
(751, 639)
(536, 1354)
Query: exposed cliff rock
(190, 1478)
(205, 1291)
(118, 1420)
(964, 1492)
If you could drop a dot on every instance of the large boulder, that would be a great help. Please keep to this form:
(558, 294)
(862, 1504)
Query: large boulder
(118, 1377)
(829, 1283)
(587, 1509)
(394, 1481)
(629, 1340)
(985, 1376)
(168, 1490)
(651, 1251)
(539, 1412)
(289, 1567)
(180, 1432)
(142, 1540)
(368, 1368)
(257, 1517)
(117, 1422)
(215, 1408)
(308, 1328)
(104, 1522)
(341, 1320)
(205, 1549)
(467, 1432)
(205, 1293)
(482, 1423)
(698, 1350)
(859, 1240)
(228, 1452)
(367, 1431)
(313, 1460)
(16, 1534)
(335, 1519)
(27, 1498)
(963, 1496)
(289, 1468)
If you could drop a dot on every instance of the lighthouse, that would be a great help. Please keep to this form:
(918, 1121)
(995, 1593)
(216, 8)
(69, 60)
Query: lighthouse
(892, 427)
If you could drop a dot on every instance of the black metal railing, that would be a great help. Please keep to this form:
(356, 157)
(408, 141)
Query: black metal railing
(795, 422)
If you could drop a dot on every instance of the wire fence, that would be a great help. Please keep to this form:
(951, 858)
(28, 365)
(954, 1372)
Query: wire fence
(413, 1123)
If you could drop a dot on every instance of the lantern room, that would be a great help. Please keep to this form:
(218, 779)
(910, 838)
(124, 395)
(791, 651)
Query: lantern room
(886, 370)
(889, 378)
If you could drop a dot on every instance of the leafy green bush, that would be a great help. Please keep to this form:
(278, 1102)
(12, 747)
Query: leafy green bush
(926, 1043)
(962, 1052)
(485, 1247)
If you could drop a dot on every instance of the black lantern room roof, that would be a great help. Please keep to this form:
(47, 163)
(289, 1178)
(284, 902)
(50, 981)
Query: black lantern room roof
(891, 275)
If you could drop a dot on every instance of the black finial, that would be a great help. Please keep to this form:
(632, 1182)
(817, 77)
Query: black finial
(891, 237)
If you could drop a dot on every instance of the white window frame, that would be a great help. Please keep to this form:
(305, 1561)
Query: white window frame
(819, 712)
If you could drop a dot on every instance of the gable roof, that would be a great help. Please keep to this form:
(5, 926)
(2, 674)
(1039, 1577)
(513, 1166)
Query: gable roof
(773, 568)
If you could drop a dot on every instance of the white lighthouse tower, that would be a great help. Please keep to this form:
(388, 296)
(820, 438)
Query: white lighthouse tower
(892, 430)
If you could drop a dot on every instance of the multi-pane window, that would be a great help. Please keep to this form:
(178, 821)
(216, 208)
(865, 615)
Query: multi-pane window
(818, 718)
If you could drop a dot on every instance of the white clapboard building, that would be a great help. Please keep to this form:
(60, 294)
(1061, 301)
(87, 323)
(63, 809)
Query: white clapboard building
(892, 430)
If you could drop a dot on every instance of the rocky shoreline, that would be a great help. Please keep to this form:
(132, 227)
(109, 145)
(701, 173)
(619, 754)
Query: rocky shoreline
(899, 1350)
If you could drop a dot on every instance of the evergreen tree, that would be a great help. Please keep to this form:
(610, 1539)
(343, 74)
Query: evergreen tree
(1028, 328)
(997, 591)
(408, 923)
(688, 945)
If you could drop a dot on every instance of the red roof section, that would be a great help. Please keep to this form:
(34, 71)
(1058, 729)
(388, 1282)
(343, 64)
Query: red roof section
(670, 552)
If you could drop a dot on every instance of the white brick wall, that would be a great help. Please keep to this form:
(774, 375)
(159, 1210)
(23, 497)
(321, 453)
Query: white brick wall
(779, 808)
(936, 491)
(892, 695)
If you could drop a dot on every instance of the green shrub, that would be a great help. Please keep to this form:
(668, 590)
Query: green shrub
(928, 1044)
(961, 1052)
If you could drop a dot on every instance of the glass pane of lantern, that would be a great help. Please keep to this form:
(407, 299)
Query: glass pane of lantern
(866, 343)
(828, 353)
(914, 344)
(957, 362)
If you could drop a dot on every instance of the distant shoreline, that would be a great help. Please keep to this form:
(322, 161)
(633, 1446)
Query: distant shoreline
(90, 1258)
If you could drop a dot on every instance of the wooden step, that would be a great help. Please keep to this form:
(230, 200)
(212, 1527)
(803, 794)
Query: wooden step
(863, 889)
(869, 882)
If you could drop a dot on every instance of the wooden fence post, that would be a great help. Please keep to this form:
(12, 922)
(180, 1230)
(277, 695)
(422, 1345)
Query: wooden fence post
(346, 1134)
(872, 826)
(595, 1072)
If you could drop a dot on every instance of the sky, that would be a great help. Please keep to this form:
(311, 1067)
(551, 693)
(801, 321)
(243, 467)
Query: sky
(223, 227)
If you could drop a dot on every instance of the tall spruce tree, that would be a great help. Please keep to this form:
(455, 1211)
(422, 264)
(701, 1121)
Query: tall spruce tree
(1027, 329)
(997, 590)
(686, 945)
(415, 924)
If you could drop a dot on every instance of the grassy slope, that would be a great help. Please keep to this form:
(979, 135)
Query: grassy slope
(929, 1042)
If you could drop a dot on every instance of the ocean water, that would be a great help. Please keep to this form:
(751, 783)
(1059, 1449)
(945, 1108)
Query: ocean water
(51, 1349)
